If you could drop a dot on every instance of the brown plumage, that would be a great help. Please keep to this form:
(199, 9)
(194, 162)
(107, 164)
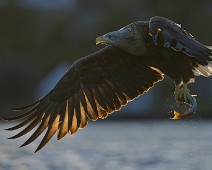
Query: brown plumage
(135, 58)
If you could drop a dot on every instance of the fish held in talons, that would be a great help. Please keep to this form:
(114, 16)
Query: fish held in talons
(193, 106)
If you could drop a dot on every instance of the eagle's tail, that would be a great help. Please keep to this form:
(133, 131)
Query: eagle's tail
(205, 70)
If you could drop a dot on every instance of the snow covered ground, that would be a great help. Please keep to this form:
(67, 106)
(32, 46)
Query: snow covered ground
(111, 145)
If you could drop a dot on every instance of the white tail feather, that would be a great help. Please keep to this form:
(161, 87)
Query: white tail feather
(203, 70)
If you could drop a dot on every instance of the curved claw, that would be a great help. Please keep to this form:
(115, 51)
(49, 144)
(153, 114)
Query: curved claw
(193, 106)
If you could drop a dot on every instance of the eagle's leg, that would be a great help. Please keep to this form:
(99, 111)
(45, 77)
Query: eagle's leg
(181, 93)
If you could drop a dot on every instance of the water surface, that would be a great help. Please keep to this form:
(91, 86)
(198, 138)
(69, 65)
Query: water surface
(112, 145)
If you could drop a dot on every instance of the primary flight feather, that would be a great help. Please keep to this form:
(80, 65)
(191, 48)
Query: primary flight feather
(134, 59)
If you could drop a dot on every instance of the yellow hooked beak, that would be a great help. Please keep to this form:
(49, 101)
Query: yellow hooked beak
(100, 40)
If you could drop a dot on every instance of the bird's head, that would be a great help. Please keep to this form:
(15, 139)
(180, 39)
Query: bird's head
(129, 38)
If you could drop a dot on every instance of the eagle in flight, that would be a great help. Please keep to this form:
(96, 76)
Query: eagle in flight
(134, 58)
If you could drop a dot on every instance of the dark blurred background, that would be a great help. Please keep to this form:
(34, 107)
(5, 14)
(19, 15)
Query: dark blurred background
(40, 39)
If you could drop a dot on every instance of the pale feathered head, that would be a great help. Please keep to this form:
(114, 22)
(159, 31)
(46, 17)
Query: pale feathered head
(129, 38)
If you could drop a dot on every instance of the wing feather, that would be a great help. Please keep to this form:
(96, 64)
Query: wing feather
(53, 126)
(25, 122)
(84, 120)
(39, 130)
(63, 123)
(94, 87)
(77, 110)
(91, 104)
(28, 128)
(168, 34)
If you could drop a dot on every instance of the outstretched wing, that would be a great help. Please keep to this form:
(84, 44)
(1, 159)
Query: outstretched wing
(94, 87)
(168, 34)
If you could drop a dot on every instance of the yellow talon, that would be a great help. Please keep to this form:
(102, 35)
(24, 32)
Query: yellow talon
(181, 94)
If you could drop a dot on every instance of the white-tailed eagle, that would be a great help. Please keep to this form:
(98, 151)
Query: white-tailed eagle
(134, 59)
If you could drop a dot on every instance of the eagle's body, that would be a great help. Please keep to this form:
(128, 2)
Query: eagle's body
(136, 57)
